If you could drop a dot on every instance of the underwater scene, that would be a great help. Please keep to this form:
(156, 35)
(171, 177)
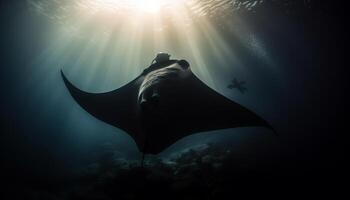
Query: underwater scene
(172, 99)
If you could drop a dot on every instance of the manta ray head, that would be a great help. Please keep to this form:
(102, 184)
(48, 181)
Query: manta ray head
(161, 81)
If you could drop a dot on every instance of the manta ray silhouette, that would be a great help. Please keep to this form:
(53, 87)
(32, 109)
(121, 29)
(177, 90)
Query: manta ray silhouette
(164, 104)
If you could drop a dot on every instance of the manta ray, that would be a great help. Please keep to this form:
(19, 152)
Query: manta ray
(165, 103)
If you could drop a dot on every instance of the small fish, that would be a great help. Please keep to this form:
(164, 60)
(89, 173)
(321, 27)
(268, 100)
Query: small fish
(235, 84)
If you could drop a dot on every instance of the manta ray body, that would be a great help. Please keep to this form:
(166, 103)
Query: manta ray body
(164, 104)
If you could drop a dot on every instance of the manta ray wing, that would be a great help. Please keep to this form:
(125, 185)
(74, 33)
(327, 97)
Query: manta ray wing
(117, 107)
(191, 107)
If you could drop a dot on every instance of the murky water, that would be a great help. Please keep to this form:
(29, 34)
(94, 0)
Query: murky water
(270, 45)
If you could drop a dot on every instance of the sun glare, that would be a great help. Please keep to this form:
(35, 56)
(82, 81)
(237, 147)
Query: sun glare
(109, 37)
(148, 6)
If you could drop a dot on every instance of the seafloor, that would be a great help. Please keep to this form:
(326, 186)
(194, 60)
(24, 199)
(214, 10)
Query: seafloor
(206, 171)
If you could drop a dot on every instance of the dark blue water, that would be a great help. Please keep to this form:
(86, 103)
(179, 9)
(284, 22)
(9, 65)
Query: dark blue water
(293, 81)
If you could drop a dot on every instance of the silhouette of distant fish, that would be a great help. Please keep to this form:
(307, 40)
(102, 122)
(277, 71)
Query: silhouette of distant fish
(235, 84)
